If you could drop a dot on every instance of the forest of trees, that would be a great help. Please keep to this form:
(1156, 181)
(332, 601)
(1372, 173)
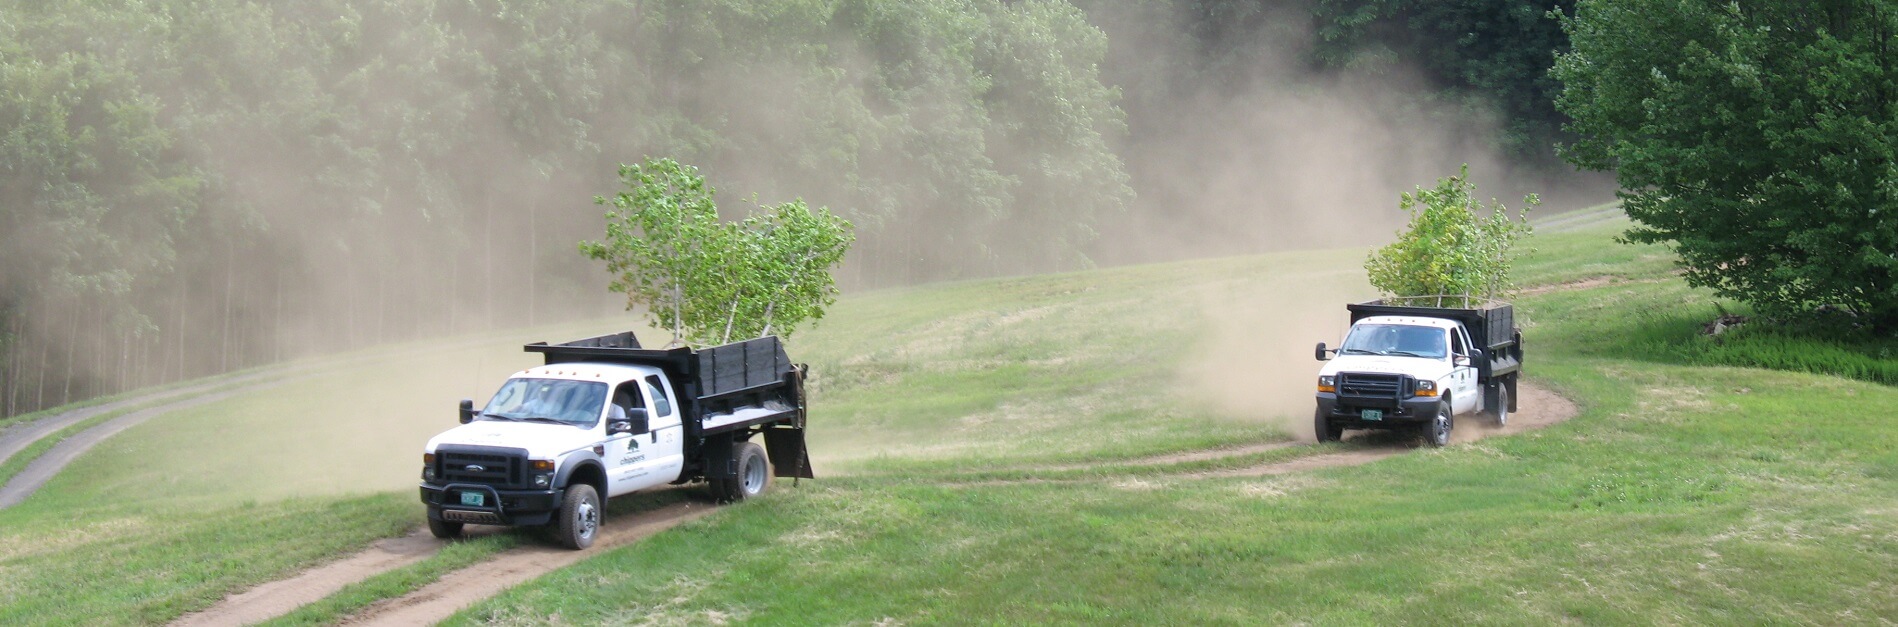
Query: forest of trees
(190, 187)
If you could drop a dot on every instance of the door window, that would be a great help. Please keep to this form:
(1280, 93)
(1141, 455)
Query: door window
(661, 406)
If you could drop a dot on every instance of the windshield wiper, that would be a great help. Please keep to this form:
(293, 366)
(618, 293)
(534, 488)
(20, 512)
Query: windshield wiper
(1355, 351)
(545, 419)
(1408, 354)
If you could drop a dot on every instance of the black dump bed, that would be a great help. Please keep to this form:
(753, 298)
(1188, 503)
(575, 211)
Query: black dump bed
(737, 388)
(1492, 327)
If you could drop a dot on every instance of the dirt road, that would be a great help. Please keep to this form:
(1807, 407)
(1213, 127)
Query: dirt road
(44, 467)
(452, 592)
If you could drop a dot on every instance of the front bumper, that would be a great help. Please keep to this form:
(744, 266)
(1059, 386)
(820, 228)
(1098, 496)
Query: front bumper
(1347, 411)
(499, 507)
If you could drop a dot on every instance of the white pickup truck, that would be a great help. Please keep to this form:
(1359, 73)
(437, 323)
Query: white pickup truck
(1418, 368)
(605, 418)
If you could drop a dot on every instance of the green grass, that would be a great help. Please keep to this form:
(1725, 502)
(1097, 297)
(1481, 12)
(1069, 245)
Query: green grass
(948, 425)
(1683, 494)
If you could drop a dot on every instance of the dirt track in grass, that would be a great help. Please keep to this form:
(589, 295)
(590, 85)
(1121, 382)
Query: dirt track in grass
(1539, 408)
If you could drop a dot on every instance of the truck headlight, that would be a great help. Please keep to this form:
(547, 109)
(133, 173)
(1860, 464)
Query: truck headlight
(1426, 387)
(1327, 383)
(428, 466)
(542, 481)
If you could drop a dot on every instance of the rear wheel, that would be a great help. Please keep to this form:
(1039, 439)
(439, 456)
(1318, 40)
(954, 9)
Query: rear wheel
(579, 518)
(1500, 413)
(1437, 433)
(444, 529)
(754, 475)
(1325, 431)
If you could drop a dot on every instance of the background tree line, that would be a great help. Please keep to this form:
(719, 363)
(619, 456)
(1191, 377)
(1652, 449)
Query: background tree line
(197, 186)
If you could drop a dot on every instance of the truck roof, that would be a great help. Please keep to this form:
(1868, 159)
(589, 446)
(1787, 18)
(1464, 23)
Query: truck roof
(1410, 320)
(588, 371)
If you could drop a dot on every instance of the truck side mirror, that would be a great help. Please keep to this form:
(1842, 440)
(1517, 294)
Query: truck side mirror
(467, 410)
(1320, 353)
(632, 421)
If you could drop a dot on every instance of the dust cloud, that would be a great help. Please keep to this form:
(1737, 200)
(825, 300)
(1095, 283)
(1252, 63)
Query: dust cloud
(1266, 152)
(1254, 361)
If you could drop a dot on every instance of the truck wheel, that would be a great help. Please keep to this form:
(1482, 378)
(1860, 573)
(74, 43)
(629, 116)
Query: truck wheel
(579, 517)
(754, 475)
(1500, 413)
(1323, 428)
(1437, 433)
(444, 529)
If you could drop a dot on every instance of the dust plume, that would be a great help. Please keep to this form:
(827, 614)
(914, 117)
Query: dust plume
(1267, 152)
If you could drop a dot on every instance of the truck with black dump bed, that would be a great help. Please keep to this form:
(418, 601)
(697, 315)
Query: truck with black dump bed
(1408, 364)
(605, 417)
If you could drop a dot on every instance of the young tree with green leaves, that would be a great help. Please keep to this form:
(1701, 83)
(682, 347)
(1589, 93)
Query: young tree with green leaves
(1452, 248)
(1758, 140)
(707, 280)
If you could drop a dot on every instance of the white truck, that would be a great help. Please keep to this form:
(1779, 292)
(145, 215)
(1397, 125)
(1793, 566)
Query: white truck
(1417, 368)
(605, 418)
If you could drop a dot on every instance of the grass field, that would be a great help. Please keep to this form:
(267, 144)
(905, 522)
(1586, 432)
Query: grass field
(1684, 493)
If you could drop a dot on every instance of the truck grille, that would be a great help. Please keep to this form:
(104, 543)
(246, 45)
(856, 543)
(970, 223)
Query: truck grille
(487, 465)
(1371, 385)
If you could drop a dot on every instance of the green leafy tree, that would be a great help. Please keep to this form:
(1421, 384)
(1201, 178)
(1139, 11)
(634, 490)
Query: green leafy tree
(1451, 248)
(709, 281)
(1759, 140)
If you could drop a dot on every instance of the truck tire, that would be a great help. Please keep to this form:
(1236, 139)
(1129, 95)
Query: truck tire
(1437, 432)
(579, 517)
(1499, 415)
(754, 475)
(1323, 428)
(444, 529)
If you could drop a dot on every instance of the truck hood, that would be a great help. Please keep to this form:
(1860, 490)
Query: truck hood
(542, 440)
(1418, 367)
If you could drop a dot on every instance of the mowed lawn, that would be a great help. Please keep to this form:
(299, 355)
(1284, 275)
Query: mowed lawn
(970, 440)
(1681, 494)
(988, 376)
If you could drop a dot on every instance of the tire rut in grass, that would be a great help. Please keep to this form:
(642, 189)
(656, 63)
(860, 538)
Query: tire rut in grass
(473, 584)
(277, 598)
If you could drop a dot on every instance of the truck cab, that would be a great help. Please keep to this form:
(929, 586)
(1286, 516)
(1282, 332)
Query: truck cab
(1414, 368)
(605, 418)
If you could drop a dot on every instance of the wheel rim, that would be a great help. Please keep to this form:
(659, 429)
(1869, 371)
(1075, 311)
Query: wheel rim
(754, 476)
(589, 518)
(1502, 410)
(1441, 429)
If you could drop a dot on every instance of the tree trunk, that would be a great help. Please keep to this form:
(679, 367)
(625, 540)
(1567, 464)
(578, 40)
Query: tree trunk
(533, 260)
(487, 250)
(184, 295)
(230, 280)
(72, 355)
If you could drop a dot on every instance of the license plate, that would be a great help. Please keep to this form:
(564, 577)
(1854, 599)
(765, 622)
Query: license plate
(1367, 414)
(473, 499)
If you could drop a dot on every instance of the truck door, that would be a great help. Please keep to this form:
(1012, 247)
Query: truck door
(1466, 394)
(661, 447)
(624, 451)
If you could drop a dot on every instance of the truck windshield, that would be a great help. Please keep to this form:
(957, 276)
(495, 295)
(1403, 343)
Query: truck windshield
(1395, 339)
(576, 403)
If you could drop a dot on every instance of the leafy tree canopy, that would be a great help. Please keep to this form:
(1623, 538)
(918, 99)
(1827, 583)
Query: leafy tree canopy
(711, 281)
(1450, 247)
(1757, 139)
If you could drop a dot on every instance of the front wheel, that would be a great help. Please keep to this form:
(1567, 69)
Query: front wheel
(444, 529)
(1437, 433)
(1325, 431)
(579, 518)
